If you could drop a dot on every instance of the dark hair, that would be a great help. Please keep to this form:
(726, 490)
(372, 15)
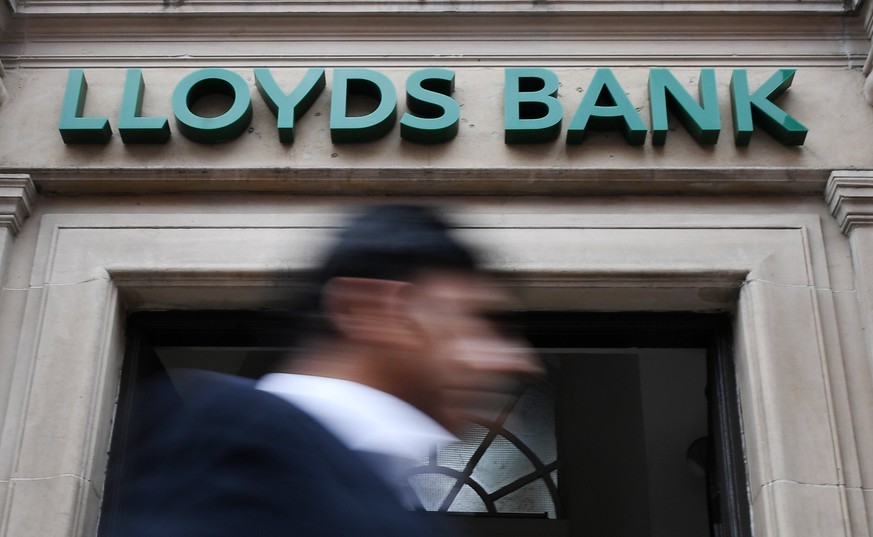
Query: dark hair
(386, 242)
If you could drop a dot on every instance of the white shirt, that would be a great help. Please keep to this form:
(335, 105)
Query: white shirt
(364, 419)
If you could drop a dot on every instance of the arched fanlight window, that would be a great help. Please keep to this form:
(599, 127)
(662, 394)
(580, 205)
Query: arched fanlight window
(504, 464)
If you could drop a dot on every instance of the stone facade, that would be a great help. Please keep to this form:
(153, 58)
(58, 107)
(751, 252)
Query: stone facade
(781, 237)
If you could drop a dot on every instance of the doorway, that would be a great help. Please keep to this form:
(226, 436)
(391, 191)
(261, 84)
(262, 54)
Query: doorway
(635, 430)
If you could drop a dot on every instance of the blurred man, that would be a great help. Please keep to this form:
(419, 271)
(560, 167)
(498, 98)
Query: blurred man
(398, 347)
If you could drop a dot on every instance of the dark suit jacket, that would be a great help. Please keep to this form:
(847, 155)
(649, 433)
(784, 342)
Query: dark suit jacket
(235, 461)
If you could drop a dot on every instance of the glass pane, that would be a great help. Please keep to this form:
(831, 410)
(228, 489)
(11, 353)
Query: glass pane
(431, 489)
(635, 414)
(501, 464)
(533, 422)
(674, 409)
(457, 455)
(468, 501)
(531, 498)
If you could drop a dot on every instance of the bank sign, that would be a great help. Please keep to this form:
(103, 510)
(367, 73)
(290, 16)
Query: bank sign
(532, 110)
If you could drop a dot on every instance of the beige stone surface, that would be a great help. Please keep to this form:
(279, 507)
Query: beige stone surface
(796, 271)
(70, 368)
(788, 413)
(868, 501)
(16, 197)
(850, 382)
(800, 510)
(63, 505)
(852, 207)
(6, 238)
(828, 101)
(859, 509)
(279, 7)
(862, 251)
(12, 304)
(780, 264)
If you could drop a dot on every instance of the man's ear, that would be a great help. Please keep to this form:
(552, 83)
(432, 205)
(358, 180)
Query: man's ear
(369, 311)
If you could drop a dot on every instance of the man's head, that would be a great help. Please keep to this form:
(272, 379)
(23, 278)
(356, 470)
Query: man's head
(402, 308)
(394, 242)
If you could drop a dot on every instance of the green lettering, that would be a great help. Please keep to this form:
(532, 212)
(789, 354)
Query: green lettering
(437, 115)
(605, 107)
(74, 128)
(133, 128)
(702, 120)
(212, 130)
(531, 111)
(376, 124)
(291, 107)
(750, 108)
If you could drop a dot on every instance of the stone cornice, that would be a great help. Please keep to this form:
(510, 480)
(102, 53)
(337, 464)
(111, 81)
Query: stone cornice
(849, 194)
(273, 7)
(452, 39)
(17, 193)
(433, 180)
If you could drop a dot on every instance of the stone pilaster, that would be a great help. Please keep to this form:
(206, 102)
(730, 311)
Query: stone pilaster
(17, 194)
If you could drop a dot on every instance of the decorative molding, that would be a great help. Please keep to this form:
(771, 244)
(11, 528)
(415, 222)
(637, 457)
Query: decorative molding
(3, 93)
(479, 37)
(100, 7)
(345, 181)
(849, 194)
(865, 11)
(769, 258)
(868, 80)
(17, 194)
(868, 89)
(404, 26)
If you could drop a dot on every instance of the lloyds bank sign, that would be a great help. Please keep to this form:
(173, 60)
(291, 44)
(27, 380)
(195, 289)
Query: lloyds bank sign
(533, 110)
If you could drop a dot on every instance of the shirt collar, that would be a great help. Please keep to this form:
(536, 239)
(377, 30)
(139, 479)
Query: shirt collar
(361, 417)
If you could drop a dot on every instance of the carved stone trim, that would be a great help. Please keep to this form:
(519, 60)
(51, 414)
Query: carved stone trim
(849, 194)
(17, 194)
(298, 34)
(3, 92)
(196, 7)
(94, 272)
